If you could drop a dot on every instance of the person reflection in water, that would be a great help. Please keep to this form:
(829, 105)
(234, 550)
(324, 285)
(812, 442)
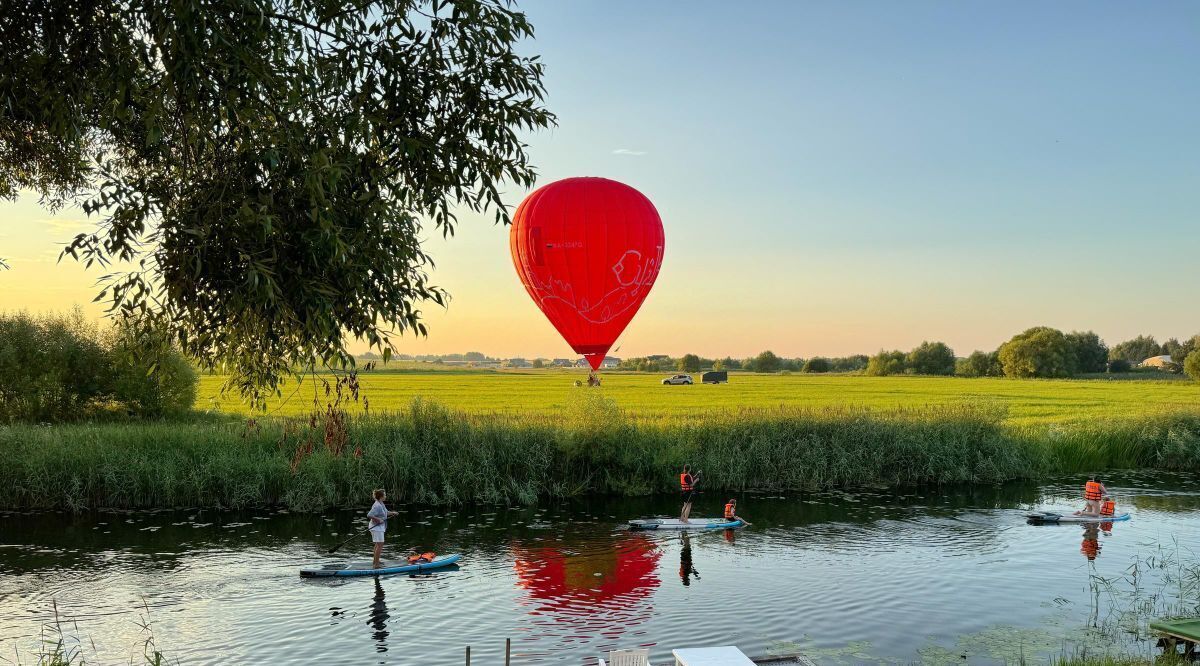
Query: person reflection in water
(686, 570)
(1091, 542)
(378, 617)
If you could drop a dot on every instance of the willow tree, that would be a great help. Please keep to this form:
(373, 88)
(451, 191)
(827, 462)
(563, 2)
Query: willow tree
(266, 167)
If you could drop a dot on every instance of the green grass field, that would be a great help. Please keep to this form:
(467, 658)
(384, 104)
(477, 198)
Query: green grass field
(1027, 402)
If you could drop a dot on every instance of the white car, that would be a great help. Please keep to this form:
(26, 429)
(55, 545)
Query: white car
(678, 379)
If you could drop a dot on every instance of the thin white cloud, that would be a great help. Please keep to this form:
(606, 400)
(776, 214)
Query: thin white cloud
(67, 224)
(627, 151)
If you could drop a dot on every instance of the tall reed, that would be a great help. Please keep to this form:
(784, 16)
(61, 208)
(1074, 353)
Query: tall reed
(430, 454)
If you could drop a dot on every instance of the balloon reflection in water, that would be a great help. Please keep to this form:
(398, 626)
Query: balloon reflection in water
(597, 589)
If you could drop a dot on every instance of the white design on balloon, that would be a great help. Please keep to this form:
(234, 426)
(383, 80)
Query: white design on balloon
(632, 283)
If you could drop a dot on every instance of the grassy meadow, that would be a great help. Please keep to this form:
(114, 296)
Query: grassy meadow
(642, 395)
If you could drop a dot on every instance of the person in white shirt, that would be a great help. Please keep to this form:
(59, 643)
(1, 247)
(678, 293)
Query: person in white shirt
(378, 516)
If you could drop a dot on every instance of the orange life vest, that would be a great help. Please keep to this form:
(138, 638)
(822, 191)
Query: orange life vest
(420, 559)
(1091, 490)
(685, 481)
(729, 512)
(1090, 548)
(1108, 508)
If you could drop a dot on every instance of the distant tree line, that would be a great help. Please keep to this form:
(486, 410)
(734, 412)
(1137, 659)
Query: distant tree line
(469, 357)
(766, 361)
(61, 367)
(1041, 352)
(1038, 352)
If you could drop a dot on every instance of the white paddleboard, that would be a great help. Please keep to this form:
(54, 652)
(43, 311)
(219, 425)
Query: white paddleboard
(677, 524)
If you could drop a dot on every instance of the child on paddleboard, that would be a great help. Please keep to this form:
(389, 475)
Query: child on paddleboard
(1108, 507)
(1093, 491)
(731, 512)
(378, 516)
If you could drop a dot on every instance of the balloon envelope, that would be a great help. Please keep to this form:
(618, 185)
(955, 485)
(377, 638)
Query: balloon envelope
(588, 251)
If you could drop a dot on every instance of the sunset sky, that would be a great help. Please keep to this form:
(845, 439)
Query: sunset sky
(836, 178)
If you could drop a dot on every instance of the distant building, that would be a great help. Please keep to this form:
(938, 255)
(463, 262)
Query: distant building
(516, 363)
(609, 363)
(1157, 362)
(561, 363)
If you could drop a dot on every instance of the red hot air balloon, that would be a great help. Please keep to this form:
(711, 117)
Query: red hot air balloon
(588, 250)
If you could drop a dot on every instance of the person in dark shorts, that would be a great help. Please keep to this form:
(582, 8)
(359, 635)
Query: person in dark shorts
(687, 491)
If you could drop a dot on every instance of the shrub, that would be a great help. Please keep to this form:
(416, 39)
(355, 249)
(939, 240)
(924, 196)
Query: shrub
(931, 358)
(1088, 350)
(886, 363)
(1038, 352)
(61, 368)
(1191, 365)
(52, 368)
(1180, 352)
(153, 382)
(979, 364)
(728, 363)
(765, 362)
(816, 364)
(689, 363)
(849, 363)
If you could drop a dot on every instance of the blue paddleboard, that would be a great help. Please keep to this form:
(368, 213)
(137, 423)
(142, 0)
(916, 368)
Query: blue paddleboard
(389, 567)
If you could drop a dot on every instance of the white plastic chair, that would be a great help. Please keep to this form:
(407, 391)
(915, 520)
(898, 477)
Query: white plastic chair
(627, 658)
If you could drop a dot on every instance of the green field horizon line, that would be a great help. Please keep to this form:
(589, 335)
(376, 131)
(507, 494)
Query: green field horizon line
(642, 395)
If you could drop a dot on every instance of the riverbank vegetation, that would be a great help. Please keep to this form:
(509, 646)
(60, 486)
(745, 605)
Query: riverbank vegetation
(57, 368)
(434, 455)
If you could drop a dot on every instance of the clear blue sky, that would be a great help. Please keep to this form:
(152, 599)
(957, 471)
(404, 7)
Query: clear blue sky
(840, 177)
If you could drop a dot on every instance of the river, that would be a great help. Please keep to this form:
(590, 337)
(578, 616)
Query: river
(923, 575)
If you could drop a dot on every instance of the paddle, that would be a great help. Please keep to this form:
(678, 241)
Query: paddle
(356, 535)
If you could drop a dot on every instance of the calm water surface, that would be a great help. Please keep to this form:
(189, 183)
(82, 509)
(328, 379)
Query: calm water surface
(919, 576)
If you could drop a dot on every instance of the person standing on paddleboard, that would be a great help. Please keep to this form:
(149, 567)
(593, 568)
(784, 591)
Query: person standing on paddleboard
(687, 491)
(378, 516)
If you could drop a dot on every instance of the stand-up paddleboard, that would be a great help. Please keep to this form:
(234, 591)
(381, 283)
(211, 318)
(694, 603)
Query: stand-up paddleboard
(1047, 517)
(677, 524)
(389, 567)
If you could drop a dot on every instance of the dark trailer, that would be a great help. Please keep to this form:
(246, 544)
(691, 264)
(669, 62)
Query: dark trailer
(715, 377)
